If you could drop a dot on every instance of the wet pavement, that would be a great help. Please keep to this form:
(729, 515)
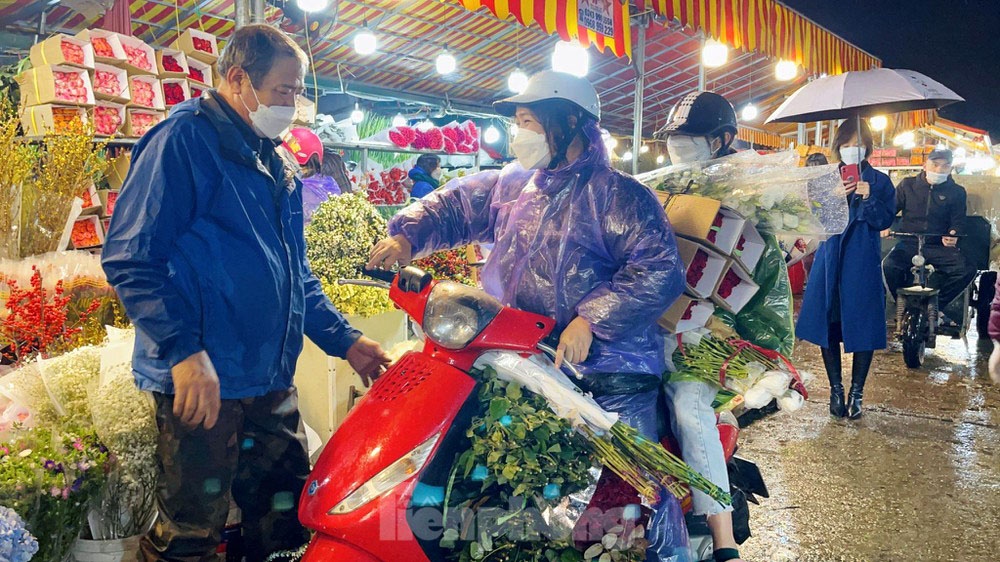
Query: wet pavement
(916, 479)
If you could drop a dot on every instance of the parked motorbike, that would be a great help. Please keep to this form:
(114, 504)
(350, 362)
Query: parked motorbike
(404, 435)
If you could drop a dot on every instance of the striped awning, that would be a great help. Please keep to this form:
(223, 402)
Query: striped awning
(602, 23)
(767, 27)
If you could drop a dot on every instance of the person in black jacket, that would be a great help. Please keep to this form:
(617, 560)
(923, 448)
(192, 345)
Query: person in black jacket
(932, 203)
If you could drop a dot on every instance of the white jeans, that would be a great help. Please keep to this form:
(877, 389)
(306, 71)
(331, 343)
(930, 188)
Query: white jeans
(693, 421)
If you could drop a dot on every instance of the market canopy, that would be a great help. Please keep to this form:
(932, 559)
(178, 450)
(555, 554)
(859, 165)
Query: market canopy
(412, 32)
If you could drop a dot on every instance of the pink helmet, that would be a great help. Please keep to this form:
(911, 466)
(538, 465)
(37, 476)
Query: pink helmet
(304, 143)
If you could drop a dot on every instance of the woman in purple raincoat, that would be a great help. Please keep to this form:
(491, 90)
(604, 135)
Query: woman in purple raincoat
(574, 240)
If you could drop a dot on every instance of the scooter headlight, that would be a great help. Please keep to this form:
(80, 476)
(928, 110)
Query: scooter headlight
(390, 477)
(456, 314)
(919, 260)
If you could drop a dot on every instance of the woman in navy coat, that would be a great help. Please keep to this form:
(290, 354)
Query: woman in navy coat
(845, 297)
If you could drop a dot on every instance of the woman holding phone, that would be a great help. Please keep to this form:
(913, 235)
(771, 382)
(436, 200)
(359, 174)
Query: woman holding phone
(844, 301)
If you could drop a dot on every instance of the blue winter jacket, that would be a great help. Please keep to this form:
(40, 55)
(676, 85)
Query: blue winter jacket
(847, 274)
(206, 251)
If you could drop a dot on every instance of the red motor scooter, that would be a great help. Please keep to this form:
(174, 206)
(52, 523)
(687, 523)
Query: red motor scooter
(363, 496)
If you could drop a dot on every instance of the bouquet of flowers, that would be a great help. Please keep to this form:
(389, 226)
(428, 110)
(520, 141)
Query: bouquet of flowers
(49, 478)
(338, 240)
(16, 543)
(770, 190)
(449, 264)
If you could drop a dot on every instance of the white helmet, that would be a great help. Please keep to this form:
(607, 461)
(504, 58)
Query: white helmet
(551, 85)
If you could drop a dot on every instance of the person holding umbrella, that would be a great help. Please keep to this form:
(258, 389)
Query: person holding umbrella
(844, 301)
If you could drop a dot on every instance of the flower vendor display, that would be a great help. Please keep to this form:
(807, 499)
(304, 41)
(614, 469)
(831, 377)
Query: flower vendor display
(16, 168)
(449, 264)
(16, 543)
(342, 232)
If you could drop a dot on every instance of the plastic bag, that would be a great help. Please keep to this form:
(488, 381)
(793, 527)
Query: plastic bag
(767, 319)
(769, 190)
(790, 401)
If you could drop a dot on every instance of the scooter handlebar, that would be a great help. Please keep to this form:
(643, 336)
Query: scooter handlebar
(566, 364)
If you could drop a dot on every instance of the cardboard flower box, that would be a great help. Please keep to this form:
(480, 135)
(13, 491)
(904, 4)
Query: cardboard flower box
(139, 121)
(735, 288)
(146, 92)
(140, 58)
(108, 199)
(87, 232)
(56, 84)
(106, 224)
(61, 49)
(91, 201)
(198, 45)
(196, 89)
(171, 63)
(749, 248)
(703, 265)
(200, 72)
(902, 161)
(106, 46)
(111, 83)
(39, 120)
(706, 220)
(686, 314)
(175, 91)
(108, 118)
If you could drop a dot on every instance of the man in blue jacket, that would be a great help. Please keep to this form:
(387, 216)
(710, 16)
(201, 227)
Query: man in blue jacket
(207, 253)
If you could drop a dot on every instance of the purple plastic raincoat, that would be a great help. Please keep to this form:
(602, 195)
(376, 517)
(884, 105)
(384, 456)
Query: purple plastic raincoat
(315, 191)
(584, 240)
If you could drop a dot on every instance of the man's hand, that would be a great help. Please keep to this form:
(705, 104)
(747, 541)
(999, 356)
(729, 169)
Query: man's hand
(196, 391)
(863, 189)
(367, 358)
(390, 251)
(950, 241)
(574, 344)
(995, 362)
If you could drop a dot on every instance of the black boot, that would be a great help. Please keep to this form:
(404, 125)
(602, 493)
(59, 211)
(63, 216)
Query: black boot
(859, 374)
(832, 362)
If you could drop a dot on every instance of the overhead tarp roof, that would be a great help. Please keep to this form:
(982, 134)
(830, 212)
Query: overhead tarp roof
(767, 27)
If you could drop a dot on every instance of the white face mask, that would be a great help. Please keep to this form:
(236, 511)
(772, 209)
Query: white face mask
(852, 154)
(936, 178)
(684, 149)
(436, 174)
(270, 121)
(531, 150)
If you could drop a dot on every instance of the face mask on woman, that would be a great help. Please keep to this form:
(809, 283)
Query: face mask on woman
(436, 174)
(852, 154)
(531, 149)
(684, 149)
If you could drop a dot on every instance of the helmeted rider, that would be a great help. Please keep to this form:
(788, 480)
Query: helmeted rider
(702, 126)
(574, 240)
(317, 186)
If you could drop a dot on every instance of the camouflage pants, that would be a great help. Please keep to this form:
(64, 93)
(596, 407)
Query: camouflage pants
(257, 452)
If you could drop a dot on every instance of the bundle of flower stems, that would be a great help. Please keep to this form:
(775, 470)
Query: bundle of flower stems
(705, 360)
(646, 465)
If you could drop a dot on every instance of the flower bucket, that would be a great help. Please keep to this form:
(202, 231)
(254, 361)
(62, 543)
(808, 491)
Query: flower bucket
(120, 550)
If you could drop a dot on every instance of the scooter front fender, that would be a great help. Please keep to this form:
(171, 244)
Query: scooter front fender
(326, 549)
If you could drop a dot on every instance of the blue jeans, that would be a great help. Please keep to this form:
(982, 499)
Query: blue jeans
(693, 421)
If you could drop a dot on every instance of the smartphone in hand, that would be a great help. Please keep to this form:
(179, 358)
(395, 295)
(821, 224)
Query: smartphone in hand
(850, 173)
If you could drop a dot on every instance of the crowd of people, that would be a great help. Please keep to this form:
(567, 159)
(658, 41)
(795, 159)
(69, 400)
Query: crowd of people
(207, 255)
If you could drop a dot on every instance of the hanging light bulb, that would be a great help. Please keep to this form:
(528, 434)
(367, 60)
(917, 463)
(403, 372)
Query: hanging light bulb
(611, 143)
(357, 115)
(491, 134)
(365, 42)
(399, 120)
(643, 149)
(313, 5)
(714, 53)
(904, 138)
(749, 112)
(517, 81)
(571, 58)
(785, 70)
(879, 122)
(445, 62)
(627, 156)
(660, 159)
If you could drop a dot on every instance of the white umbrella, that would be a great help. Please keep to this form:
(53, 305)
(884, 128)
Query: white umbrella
(863, 93)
